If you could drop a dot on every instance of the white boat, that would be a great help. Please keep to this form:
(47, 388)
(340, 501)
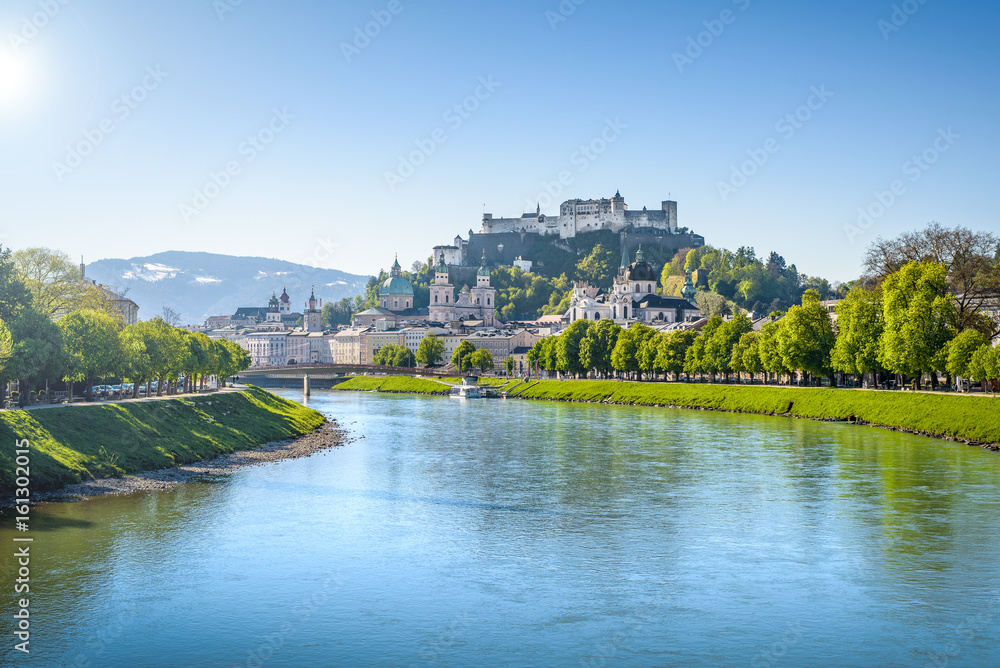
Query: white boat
(469, 389)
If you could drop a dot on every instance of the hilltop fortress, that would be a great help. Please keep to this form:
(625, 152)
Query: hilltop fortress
(510, 241)
(577, 216)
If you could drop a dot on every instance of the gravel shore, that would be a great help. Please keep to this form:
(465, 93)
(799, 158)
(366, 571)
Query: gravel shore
(330, 435)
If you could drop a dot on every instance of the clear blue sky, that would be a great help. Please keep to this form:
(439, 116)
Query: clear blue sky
(323, 177)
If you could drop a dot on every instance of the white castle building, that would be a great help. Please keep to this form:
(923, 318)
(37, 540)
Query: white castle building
(577, 216)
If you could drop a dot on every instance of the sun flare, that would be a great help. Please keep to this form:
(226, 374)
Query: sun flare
(13, 78)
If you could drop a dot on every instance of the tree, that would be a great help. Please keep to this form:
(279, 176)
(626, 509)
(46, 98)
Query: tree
(718, 352)
(970, 262)
(462, 357)
(596, 268)
(14, 295)
(508, 365)
(672, 350)
(806, 337)
(696, 360)
(859, 333)
(482, 359)
(624, 357)
(917, 312)
(232, 359)
(597, 346)
(136, 365)
(6, 351)
(985, 366)
(403, 357)
(37, 351)
(92, 345)
(165, 348)
(430, 351)
(170, 316)
(568, 351)
(339, 313)
(961, 350)
(770, 352)
(56, 284)
(746, 355)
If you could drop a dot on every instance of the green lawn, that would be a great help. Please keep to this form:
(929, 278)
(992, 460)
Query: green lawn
(963, 417)
(75, 443)
(401, 384)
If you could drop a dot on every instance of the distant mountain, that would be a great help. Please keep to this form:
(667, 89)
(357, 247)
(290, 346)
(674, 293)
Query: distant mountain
(199, 285)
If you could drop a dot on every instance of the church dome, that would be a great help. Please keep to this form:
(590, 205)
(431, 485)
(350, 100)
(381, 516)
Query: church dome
(397, 285)
(284, 299)
(640, 270)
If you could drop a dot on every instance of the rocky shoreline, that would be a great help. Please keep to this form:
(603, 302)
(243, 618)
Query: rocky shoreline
(330, 435)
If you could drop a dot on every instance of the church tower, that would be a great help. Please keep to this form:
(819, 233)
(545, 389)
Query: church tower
(311, 320)
(442, 291)
(483, 296)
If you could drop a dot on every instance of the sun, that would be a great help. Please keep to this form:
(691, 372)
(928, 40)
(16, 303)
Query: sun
(13, 78)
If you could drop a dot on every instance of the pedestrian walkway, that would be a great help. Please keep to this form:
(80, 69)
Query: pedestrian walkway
(84, 402)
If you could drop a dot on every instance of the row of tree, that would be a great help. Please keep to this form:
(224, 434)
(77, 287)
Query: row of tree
(55, 326)
(907, 324)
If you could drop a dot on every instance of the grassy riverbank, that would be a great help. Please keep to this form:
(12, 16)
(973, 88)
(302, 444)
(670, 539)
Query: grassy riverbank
(975, 419)
(71, 444)
(398, 384)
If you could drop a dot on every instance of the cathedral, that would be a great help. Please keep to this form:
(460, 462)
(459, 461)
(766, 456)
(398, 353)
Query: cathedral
(479, 303)
(633, 298)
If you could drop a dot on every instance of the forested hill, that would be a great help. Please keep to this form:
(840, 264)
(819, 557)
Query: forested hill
(729, 281)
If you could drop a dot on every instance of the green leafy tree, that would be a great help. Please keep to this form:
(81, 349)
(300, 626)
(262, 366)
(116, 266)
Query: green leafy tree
(462, 357)
(718, 353)
(985, 366)
(624, 357)
(56, 284)
(568, 351)
(859, 333)
(597, 346)
(403, 357)
(38, 349)
(14, 295)
(961, 350)
(917, 312)
(597, 268)
(697, 360)
(482, 359)
(770, 351)
(508, 365)
(136, 365)
(806, 336)
(6, 351)
(430, 351)
(672, 350)
(746, 355)
(232, 359)
(92, 344)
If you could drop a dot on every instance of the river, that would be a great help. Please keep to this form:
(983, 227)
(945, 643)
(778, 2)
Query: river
(514, 533)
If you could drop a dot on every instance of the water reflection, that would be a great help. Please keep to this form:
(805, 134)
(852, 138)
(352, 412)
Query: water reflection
(516, 533)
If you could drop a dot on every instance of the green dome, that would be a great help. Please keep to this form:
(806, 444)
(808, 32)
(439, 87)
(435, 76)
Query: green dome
(397, 285)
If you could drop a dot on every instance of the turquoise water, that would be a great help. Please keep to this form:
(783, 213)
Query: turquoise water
(491, 533)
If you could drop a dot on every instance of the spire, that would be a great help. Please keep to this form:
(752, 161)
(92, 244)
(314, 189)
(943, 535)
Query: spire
(638, 254)
(396, 269)
(624, 249)
(538, 210)
(483, 269)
